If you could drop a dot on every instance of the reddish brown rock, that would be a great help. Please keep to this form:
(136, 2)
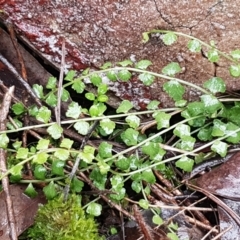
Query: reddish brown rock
(97, 31)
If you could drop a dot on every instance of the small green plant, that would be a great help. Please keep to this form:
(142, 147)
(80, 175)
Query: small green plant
(212, 119)
(64, 220)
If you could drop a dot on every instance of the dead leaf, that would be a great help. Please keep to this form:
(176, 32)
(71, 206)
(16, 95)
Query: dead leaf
(24, 207)
(223, 181)
(227, 221)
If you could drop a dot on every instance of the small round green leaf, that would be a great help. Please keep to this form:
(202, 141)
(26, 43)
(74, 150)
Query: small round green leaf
(182, 130)
(102, 98)
(186, 143)
(148, 176)
(38, 90)
(76, 185)
(124, 75)
(124, 107)
(107, 125)
(90, 96)
(18, 108)
(55, 131)
(211, 103)
(220, 148)
(97, 110)
(95, 79)
(98, 178)
(74, 110)
(112, 76)
(169, 38)
(52, 83)
(87, 155)
(30, 191)
(120, 194)
(70, 75)
(125, 63)
(102, 89)
(78, 85)
(205, 134)
(130, 137)
(51, 99)
(106, 65)
(117, 182)
(66, 143)
(232, 129)
(82, 127)
(143, 64)
(195, 108)
(105, 150)
(62, 154)
(4, 140)
(163, 119)
(145, 37)
(16, 170)
(235, 54)
(213, 55)
(133, 121)
(94, 209)
(194, 45)
(171, 69)
(40, 172)
(22, 153)
(136, 186)
(50, 191)
(143, 203)
(57, 167)
(235, 70)
(157, 220)
(43, 144)
(174, 89)
(215, 85)
(65, 95)
(40, 158)
(146, 78)
(123, 163)
(153, 105)
(185, 164)
(172, 236)
(219, 128)
(43, 115)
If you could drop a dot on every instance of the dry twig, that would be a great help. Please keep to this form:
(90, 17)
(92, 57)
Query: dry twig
(21, 80)
(217, 201)
(3, 156)
(20, 57)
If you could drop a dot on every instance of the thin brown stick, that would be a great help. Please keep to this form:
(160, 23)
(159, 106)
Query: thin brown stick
(20, 79)
(222, 233)
(167, 183)
(209, 232)
(3, 166)
(145, 230)
(147, 126)
(20, 57)
(217, 201)
(105, 198)
(184, 208)
(200, 224)
(5, 89)
(78, 159)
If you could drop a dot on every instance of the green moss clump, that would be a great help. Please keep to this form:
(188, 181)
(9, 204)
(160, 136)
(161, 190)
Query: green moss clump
(64, 221)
